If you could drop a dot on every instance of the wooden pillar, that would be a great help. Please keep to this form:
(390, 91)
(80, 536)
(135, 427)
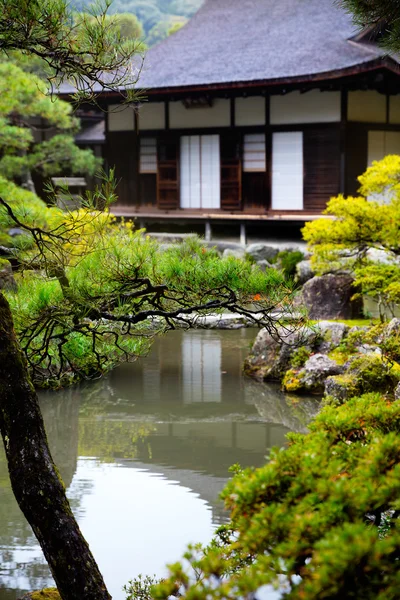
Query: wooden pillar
(208, 231)
(243, 234)
(268, 155)
(137, 174)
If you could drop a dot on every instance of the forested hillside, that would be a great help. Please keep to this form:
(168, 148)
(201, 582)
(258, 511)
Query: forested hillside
(158, 17)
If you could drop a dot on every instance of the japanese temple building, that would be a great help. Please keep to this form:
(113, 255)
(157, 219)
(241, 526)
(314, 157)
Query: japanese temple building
(255, 110)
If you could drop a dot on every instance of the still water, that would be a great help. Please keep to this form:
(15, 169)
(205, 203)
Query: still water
(145, 452)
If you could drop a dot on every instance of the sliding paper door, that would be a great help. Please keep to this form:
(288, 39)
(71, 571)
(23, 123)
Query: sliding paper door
(287, 170)
(200, 171)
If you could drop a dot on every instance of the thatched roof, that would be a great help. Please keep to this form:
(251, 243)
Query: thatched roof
(234, 41)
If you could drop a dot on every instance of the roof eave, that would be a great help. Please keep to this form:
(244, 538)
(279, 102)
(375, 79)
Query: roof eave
(377, 63)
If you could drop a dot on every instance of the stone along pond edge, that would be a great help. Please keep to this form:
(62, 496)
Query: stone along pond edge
(332, 359)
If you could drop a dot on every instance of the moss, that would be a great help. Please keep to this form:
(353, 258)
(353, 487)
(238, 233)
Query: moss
(395, 372)
(300, 356)
(347, 381)
(291, 381)
(287, 260)
(368, 373)
(373, 335)
(339, 355)
(45, 594)
(349, 322)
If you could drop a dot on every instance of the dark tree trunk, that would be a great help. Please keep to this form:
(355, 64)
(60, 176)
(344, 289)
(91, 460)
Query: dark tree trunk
(35, 480)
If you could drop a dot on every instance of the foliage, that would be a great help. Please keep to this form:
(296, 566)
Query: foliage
(380, 15)
(107, 291)
(358, 225)
(287, 260)
(163, 29)
(25, 113)
(176, 27)
(127, 24)
(319, 520)
(151, 13)
(300, 356)
(140, 587)
(93, 54)
(26, 206)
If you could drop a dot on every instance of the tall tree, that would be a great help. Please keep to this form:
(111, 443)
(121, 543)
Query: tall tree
(94, 55)
(27, 115)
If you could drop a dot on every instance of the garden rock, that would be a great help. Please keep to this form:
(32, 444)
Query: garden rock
(368, 349)
(264, 265)
(330, 297)
(332, 334)
(15, 231)
(383, 257)
(222, 246)
(235, 252)
(337, 388)
(304, 271)
(363, 373)
(272, 352)
(397, 392)
(261, 252)
(311, 378)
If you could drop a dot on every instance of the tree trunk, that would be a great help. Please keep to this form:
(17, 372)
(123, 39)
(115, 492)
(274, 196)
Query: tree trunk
(35, 480)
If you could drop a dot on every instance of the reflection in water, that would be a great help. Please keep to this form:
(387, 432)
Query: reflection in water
(145, 453)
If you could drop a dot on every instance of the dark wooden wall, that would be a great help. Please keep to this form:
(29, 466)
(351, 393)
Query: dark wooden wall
(356, 155)
(254, 190)
(121, 152)
(321, 157)
(231, 170)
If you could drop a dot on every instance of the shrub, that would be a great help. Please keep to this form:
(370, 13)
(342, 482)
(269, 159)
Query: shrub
(288, 260)
(320, 517)
(369, 221)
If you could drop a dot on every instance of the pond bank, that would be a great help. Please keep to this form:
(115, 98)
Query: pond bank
(168, 426)
(329, 358)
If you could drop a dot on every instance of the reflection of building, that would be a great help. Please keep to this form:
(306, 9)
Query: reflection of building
(201, 368)
(187, 368)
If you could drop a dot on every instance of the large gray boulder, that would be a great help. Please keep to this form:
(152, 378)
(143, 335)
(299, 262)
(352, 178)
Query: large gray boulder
(261, 252)
(330, 297)
(272, 351)
(311, 378)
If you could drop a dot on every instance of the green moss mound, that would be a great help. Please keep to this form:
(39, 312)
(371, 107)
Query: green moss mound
(45, 594)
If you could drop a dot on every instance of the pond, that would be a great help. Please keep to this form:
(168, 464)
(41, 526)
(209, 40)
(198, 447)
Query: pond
(145, 452)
